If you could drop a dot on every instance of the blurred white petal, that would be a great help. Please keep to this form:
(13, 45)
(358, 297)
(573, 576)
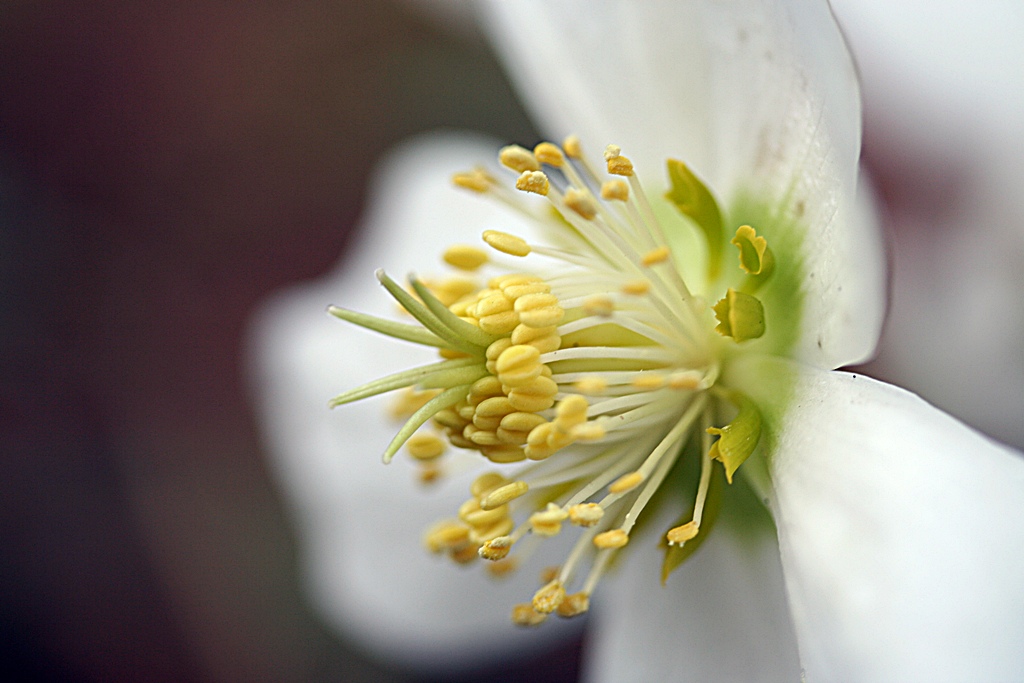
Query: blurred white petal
(361, 523)
(902, 534)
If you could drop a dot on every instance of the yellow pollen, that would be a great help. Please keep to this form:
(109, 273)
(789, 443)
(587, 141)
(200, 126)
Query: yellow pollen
(521, 422)
(548, 522)
(572, 147)
(682, 534)
(648, 381)
(599, 305)
(518, 159)
(549, 153)
(616, 538)
(615, 190)
(574, 604)
(503, 495)
(481, 536)
(476, 180)
(636, 287)
(617, 164)
(535, 182)
(465, 257)
(654, 256)
(626, 482)
(581, 202)
(496, 548)
(491, 305)
(463, 555)
(506, 243)
(571, 411)
(517, 290)
(525, 615)
(591, 385)
(497, 406)
(585, 514)
(548, 598)
(533, 396)
(472, 514)
(425, 446)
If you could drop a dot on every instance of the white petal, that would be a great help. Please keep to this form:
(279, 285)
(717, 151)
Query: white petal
(756, 97)
(722, 616)
(361, 522)
(902, 534)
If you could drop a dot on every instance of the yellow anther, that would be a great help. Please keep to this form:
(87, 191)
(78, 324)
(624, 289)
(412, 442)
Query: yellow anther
(496, 548)
(476, 180)
(481, 437)
(617, 164)
(549, 597)
(504, 494)
(521, 422)
(452, 289)
(533, 396)
(425, 446)
(615, 190)
(497, 406)
(535, 182)
(545, 339)
(486, 483)
(518, 159)
(585, 514)
(616, 538)
(682, 534)
(501, 528)
(654, 256)
(573, 605)
(512, 280)
(502, 568)
(409, 401)
(636, 287)
(525, 615)
(626, 482)
(465, 257)
(464, 554)
(537, 447)
(429, 474)
(591, 385)
(599, 305)
(515, 291)
(533, 302)
(500, 323)
(471, 513)
(457, 440)
(506, 243)
(545, 316)
(571, 411)
(466, 412)
(488, 424)
(445, 535)
(518, 365)
(550, 154)
(572, 147)
(588, 431)
(687, 380)
(503, 453)
(581, 203)
(495, 350)
(483, 388)
(648, 381)
(548, 522)
(495, 303)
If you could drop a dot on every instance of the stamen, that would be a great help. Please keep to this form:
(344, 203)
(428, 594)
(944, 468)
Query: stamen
(616, 538)
(518, 159)
(525, 615)
(503, 495)
(659, 255)
(548, 598)
(535, 182)
(586, 514)
(506, 243)
(627, 482)
(615, 190)
(425, 446)
(465, 257)
(550, 154)
(476, 180)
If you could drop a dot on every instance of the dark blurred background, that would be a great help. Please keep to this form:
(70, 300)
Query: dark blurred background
(163, 167)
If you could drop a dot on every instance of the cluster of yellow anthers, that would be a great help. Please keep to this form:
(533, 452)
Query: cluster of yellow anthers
(608, 351)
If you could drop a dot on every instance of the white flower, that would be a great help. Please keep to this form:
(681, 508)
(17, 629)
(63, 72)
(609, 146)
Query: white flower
(900, 530)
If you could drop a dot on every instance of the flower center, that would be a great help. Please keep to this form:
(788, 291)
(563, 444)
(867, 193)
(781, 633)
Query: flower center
(597, 366)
